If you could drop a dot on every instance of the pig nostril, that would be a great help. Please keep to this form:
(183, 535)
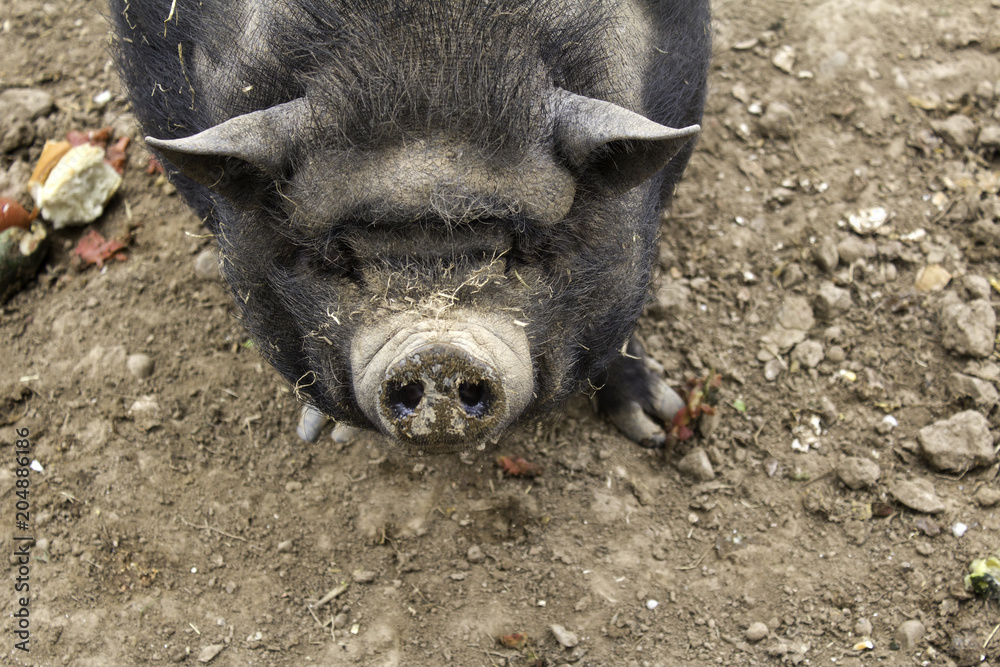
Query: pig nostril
(405, 398)
(475, 398)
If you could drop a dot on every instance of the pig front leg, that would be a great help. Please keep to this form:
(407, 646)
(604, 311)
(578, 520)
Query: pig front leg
(635, 398)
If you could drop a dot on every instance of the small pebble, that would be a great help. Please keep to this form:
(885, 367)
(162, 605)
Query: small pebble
(756, 632)
(773, 369)
(909, 633)
(987, 496)
(826, 255)
(831, 301)
(852, 248)
(808, 353)
(475, 554)
(564, 636)
(784, 58)
(363, 576)
(139, 365)
(958, 529)
(863, 628)
(836, 354)
(31, 102)
(958, 130)
(918, 495)
(696, 464)
(932, 278)
(968, 329)
(981, 392)
(208, 653)
(977, 287)
(777, 122)
(285, 546)
(858, 473)
(652, 604)
(959, 443)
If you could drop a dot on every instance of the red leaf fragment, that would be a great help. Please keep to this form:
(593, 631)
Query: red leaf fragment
(700, 401)
(115, 154)
(154, 166)
(99, 137)
(515, 466)
(95, 249)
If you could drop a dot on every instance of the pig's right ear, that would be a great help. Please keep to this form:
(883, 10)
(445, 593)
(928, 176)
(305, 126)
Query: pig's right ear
(239, 156)
(612, 149)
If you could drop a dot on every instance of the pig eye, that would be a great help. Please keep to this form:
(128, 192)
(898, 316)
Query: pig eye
(328, 258)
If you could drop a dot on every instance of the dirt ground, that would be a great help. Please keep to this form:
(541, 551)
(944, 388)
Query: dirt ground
(178, 518)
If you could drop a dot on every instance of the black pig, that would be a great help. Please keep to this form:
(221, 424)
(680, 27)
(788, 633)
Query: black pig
(437, 218)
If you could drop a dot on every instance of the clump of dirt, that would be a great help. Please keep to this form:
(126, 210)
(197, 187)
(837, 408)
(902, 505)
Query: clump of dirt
(832, 254)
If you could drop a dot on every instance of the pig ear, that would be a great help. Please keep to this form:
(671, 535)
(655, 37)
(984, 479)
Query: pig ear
(233, 157)
(611, 148)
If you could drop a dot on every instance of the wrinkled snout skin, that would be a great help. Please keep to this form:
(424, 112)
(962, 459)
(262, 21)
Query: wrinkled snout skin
(437, 218)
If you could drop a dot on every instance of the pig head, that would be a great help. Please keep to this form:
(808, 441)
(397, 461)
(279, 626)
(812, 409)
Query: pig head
(435, 242)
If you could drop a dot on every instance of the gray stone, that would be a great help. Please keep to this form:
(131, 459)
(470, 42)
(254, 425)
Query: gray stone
(792, 275)
(977, 287)
(795, 313)
(475, 554)
(863, 628)
(14, 182)
(778, 121)
(918, 495)
(958, 130)
(852, 249)
(696, 464)
(836, 354)
(208, 653)
(982, 393)
(987, 496)
(984, 89)
(826, 254)
(564, 636)
(989, 137)
(909, 634)
(19, 107)
(959, 443)
(773, 369)
(139, 365)
(671, 299)
(756, 632)
(968, 329)
(363, 576)
(780, 339)
(31, 103)
(808, 353)
(831, 301)
(858, 473)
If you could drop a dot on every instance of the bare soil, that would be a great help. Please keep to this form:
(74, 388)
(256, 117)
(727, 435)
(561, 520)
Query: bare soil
(179, 513)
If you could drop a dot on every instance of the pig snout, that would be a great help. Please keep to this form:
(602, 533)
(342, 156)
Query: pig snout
(437, 386)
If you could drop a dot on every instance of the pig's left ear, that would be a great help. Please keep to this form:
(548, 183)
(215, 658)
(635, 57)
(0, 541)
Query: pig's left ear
(237, 156)
(611, 148)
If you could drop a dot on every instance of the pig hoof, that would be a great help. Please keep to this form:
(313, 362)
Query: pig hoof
(311, 423)
(637, 400)
(344, 434)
